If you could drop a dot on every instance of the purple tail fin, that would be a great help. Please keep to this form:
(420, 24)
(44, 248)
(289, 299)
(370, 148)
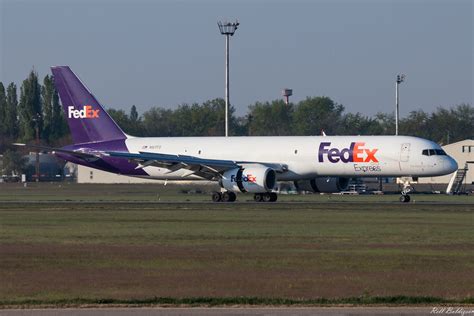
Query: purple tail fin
(87, 119)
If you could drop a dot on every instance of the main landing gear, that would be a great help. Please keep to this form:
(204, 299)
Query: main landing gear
(227, 196)
(265, 197)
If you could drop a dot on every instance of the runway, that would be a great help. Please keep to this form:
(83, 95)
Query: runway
(283, 203)
(230, 311)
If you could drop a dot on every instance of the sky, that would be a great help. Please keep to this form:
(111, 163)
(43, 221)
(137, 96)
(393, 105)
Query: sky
(165, 53)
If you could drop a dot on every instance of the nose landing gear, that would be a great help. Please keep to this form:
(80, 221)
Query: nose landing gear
(404, 198)
(407, 188)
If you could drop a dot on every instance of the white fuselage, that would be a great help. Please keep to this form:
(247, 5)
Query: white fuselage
(306, 157)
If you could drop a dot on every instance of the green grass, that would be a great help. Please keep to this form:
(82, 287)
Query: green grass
(219, 254)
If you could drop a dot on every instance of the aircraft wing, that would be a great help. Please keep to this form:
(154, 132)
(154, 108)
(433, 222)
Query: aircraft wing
(78, 154)
(211, 169)
(207, 168)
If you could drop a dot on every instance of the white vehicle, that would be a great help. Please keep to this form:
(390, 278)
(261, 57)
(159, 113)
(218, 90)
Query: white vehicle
(239, 164)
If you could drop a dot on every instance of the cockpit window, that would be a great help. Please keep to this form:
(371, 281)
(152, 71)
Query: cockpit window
(433, 152)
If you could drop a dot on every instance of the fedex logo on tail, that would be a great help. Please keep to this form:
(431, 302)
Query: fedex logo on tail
(87, 112)
(356, 152)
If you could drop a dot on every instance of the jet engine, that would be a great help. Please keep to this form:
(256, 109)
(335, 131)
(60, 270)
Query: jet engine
(323, 184)
(254, 179)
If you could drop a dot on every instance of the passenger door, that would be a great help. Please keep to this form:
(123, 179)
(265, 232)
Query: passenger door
(405, 152)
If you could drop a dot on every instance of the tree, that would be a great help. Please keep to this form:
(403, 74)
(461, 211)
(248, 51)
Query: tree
(135, 122)
(417, 123)
(134, 114)
(159, 122)
(464, 115)
(457, 122)
(59, 126)
(54, 123)
(386, 123)
(242, 125)
(121, 118)
(13, 163)
(358, 124)
(10, 120)
(3, 107)
(47, 91)
(30, 106)
(207, 119)
(315, 114)
(270, 119)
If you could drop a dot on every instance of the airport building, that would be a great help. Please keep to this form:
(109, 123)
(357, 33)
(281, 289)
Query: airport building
(463, 153)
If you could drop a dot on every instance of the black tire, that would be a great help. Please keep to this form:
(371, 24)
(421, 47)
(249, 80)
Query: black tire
(404, 198)
(232, 196)
(216, 197)
(266, 197)
(225, 197)
(258, 197)
(273, 197)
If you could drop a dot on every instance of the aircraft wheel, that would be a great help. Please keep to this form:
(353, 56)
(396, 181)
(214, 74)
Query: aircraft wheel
(266, 197)
(228, 197)
(258, 197)
(233, 197)
(216, 197)
(273, 197)
(405, 198)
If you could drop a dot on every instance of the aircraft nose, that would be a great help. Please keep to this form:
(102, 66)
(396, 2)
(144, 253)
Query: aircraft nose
(451, 165)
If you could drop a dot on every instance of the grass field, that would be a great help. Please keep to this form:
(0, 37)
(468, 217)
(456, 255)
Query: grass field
(66, 251)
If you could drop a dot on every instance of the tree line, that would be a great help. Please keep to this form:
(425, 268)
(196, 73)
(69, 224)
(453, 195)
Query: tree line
(38, 106)
(311, 116)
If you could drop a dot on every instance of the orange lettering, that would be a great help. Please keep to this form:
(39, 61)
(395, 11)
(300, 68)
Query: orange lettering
(358, 151)
(371, 155)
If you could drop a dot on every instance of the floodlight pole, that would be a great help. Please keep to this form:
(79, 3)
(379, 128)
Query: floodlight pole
(227, 29)
(400, 79)
(227, 97)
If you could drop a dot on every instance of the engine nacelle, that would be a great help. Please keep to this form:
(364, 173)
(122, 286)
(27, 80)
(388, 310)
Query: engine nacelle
(258, 179)
(323, 184)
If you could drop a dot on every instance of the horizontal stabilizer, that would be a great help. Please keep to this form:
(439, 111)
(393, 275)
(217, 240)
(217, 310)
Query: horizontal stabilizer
(77, 154)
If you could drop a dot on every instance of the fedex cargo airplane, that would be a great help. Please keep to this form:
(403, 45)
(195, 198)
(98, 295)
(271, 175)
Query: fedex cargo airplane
(239, 164)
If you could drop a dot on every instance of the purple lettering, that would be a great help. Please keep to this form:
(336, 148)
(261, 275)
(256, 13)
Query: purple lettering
(355, 153)
(323, 151)
(334, 155)
(351, 152)
(346, 155)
